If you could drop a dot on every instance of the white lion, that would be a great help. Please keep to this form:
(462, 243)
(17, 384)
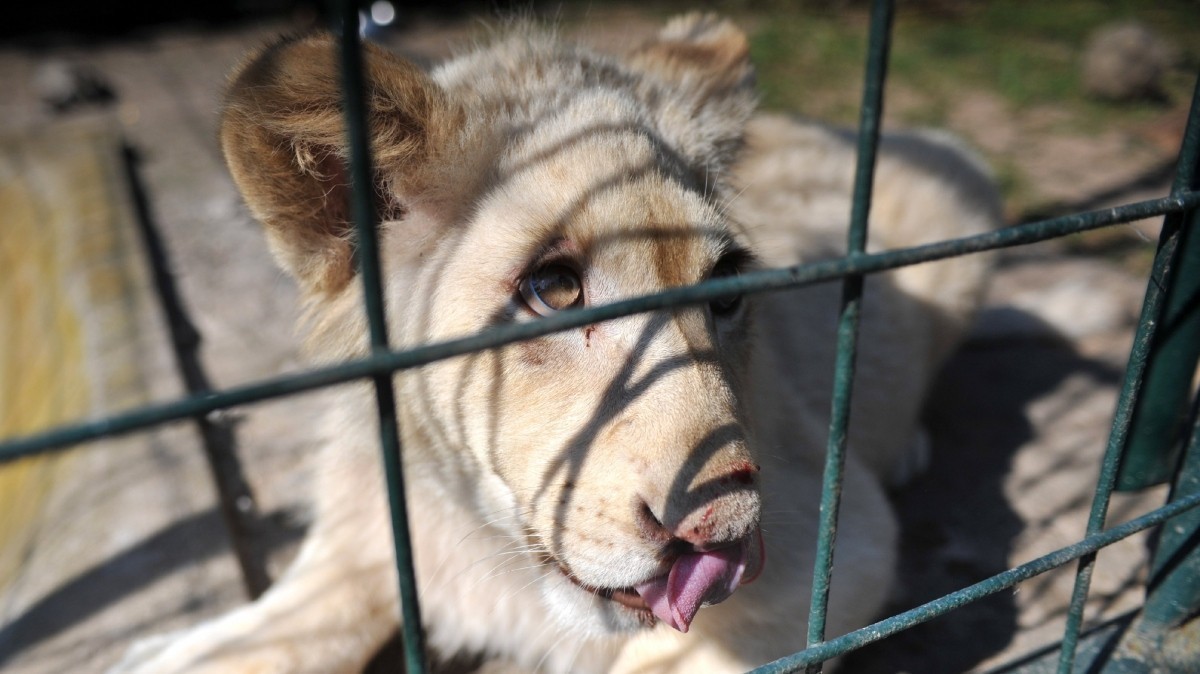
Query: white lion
(578, 498)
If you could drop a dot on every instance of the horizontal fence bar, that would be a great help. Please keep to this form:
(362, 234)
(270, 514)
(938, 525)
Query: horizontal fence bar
(984, 588)
(751, 282)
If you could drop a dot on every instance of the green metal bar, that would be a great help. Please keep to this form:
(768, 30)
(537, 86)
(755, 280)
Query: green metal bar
(882, 13)
(1096, 646)
(746, 284)
(366, 219)
(1160, 416)
(1001, 581)
(1173, 589)
(851, 268)
(1144, 337)
(239, 509)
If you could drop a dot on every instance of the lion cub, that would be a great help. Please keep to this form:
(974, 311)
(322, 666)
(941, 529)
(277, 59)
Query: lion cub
(636, 495)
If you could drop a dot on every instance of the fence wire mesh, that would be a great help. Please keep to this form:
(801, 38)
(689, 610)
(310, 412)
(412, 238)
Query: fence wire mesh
(1179, 208)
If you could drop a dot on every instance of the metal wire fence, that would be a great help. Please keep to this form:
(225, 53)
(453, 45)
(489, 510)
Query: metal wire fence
(1170, 309)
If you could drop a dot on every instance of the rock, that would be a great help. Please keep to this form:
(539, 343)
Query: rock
(1125, 61)
(1058, 299)
(63, 86)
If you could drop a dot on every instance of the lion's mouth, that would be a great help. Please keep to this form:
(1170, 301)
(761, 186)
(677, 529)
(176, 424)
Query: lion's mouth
(695, 579)
(625, 596)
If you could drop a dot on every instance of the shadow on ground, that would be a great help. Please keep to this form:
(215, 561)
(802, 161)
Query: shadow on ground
(957, 523)
(184, 543)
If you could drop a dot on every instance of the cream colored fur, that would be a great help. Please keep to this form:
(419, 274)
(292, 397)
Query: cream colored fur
(597, 449)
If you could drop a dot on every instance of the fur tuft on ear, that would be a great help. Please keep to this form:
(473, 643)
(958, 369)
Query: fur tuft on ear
(706, 61)
(284, 138)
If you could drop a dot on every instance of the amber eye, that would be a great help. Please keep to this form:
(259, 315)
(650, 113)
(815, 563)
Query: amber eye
(726, 266)
(551, 289)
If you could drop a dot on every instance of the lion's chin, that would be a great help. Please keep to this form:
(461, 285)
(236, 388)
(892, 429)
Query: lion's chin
(593, 611)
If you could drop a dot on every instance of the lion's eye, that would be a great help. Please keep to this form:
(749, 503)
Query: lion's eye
(551, 289)
(726, 266)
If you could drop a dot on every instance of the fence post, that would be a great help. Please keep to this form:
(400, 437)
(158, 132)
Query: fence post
(1158, 639)
(1160, 416)
(1162, 276)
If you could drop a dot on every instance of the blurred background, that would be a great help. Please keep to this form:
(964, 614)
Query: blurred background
(1076, 105)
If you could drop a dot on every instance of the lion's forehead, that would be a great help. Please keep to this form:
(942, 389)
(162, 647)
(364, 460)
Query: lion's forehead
(528, 77)
(643, 225)
(578, 157)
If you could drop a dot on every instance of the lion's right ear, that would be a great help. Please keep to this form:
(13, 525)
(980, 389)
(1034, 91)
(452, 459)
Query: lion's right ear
(284, 138)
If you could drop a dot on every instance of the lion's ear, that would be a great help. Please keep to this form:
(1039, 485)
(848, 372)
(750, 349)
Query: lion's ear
(284, 138)
(705, 61)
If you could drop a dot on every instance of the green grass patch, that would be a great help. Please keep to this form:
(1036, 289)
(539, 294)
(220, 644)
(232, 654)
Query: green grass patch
(1027, 52)
(1005, 74)
(813, 66)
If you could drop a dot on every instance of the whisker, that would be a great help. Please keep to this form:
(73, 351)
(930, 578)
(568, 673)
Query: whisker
(496, 574)
(550, 650)
(508, 594)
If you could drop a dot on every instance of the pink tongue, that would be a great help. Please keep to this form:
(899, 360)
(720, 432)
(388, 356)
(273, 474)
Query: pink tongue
(695, 579)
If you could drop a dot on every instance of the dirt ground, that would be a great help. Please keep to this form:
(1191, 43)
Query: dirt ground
(1018, 421)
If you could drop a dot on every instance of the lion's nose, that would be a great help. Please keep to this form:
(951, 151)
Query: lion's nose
(718, 513)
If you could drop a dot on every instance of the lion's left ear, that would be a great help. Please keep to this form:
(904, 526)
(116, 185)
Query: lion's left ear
(705, 61)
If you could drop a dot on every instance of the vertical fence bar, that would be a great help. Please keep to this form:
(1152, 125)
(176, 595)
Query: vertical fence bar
(363, 209)
(847, 332)
(1152, 310)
